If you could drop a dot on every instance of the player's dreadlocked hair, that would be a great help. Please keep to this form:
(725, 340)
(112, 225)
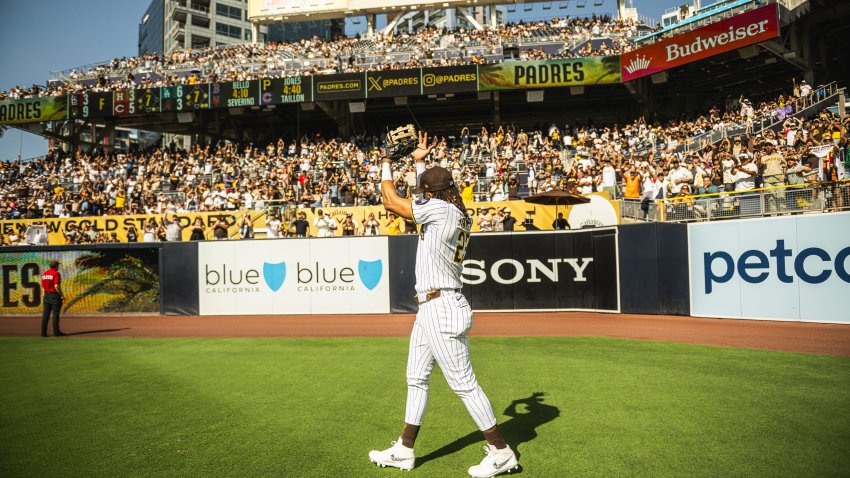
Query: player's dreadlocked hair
(451, 196)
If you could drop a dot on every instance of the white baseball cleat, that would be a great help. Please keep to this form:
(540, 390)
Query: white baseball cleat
(496, 462)
(397, 455)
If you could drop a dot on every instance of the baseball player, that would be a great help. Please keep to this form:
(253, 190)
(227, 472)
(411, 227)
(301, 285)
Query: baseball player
(444, 317)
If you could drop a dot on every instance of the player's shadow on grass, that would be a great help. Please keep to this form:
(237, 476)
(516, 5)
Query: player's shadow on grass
(520, 428)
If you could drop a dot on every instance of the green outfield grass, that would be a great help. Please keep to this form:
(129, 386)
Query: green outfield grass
(315, 407)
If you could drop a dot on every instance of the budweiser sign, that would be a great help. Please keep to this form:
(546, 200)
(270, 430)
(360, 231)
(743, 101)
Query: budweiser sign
(745, 29)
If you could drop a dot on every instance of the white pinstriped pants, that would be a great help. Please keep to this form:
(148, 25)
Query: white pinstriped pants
(439, 334)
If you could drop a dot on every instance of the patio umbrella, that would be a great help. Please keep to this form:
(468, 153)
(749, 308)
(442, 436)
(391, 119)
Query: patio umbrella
(557, 197)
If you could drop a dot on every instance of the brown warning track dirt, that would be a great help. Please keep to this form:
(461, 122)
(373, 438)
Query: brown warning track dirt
(787, 336)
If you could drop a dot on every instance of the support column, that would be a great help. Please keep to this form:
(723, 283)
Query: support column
(493, 17)
(370, 24)
(842, 108)
(255, 33)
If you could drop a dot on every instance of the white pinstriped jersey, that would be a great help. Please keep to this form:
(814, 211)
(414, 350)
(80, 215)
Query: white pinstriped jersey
(442, 244)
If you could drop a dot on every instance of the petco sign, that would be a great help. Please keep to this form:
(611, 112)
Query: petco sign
(745, 29)
(791, 268)
(317, 276)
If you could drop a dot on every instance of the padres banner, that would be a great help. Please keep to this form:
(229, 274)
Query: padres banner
(449, 79)
(115, 280)
(390, 83)
(347, 86)
(549, 73)
(33, 110)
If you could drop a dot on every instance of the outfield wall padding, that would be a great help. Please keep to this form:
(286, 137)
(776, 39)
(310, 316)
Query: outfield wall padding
(179, 278)
(523, 271)
(654, 268)
(402, 273)
(640, 268)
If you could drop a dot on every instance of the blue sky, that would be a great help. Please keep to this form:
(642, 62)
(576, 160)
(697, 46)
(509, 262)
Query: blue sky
(39, 36)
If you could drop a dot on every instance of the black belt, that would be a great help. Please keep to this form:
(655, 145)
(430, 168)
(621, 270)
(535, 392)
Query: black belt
(423, 297)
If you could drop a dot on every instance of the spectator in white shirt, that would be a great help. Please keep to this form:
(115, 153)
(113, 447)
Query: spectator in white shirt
(609, 178)
(679, 176)
(744, 175)
(325, 224)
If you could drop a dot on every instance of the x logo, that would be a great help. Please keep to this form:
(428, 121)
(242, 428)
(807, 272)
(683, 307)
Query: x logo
(375, 84)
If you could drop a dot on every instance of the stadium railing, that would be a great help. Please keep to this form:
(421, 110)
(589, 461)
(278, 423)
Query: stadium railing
(771, 201)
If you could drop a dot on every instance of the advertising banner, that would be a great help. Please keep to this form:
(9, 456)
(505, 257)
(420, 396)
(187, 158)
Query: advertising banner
(543, 271)
(348, 86)
(745, 29)
(599, 212)
(298, 276)
(390, 83)
(234, 94)
(115, 280)
(560, 270)
(787, 268)
(106, 225)
(449, 79)
(292, 89)
(511, 75)
(33, 110)
(533, 217)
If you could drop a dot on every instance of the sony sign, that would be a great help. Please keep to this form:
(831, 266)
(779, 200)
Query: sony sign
(575, 270)
(788, 268)
(511, 271)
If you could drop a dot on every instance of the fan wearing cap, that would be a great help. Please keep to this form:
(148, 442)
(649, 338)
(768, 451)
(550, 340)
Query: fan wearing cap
(773, 164)
(444, 317)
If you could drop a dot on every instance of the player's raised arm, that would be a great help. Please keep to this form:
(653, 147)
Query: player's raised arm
(392, 201)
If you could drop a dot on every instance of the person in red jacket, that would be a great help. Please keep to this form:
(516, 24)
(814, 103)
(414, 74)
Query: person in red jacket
(51, 284)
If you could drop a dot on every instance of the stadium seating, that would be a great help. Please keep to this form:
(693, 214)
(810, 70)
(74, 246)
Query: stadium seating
(490, 165)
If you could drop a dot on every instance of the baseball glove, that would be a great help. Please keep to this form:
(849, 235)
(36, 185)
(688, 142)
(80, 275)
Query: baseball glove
(401, 141)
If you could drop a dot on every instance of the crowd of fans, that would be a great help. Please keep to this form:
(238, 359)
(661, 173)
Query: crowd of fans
(426, 47)
(635, 161)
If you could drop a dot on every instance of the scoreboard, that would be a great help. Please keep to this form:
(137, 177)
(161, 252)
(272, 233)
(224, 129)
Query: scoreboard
(235, 93)
(290, 89)
(147, 100)
(124, 102)
(90, 105)
(185, 97)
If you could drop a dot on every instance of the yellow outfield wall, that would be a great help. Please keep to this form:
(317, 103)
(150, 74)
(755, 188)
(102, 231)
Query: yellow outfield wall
(599, 212)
